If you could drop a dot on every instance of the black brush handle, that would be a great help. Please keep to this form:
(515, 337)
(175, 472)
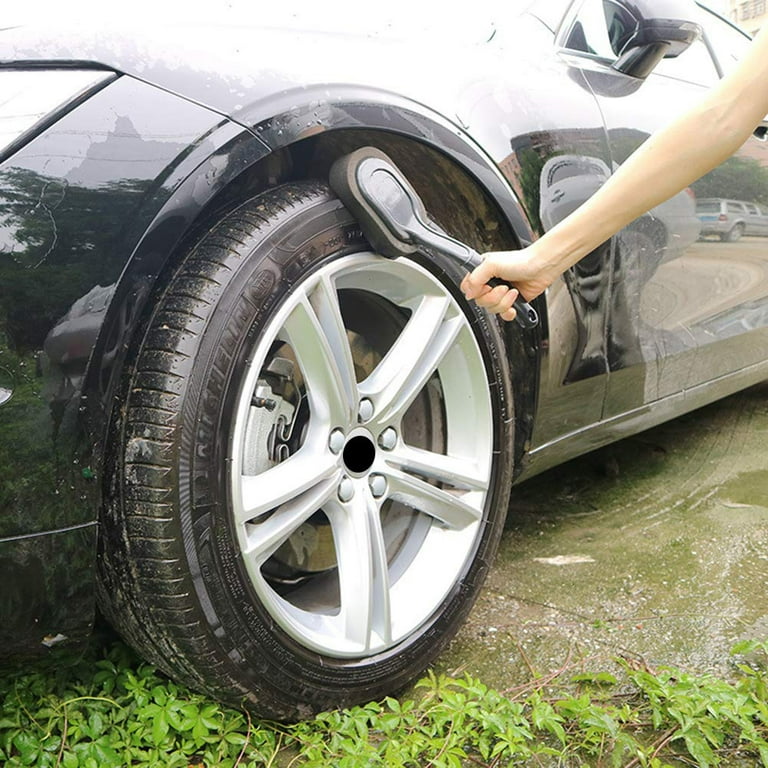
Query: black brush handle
(425, 232)
(526, 315)
(393, 218)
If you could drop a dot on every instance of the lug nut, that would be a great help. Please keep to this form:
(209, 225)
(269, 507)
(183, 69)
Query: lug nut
(346, 490)
(378, 484)
(365, 410)
(388, 439)
(336, 441)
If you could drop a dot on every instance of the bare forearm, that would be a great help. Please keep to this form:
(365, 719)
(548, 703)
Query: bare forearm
(667, 163)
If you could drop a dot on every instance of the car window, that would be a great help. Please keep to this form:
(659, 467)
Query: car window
(708, 206)
(728, 42)
(735, 208)
(693, 65)
(601, 28)
(752, 209)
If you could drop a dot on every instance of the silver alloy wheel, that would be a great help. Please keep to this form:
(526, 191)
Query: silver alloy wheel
(317, 453)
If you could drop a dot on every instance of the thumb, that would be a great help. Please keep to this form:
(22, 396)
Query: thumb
(473, 283)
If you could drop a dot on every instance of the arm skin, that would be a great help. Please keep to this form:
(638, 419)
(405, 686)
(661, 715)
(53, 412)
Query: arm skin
(667, 162)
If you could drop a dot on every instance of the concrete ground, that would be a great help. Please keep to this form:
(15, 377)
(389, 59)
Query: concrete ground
(653, 548)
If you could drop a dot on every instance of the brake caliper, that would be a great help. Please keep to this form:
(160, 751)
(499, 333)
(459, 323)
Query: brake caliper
(272, 419)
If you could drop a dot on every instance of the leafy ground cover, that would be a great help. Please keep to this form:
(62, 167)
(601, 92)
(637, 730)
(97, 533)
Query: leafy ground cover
(112, 709)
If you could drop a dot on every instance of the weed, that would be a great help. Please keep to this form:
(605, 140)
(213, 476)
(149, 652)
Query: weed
(114, 710)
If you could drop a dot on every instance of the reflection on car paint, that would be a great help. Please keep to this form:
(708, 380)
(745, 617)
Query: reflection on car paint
(52, 260)
(730, 219)
(51, 257)
(46, 587)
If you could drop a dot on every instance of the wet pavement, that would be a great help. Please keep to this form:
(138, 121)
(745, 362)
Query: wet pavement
(654, 548)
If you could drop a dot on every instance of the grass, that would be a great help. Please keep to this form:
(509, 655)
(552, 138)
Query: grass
(112, 709)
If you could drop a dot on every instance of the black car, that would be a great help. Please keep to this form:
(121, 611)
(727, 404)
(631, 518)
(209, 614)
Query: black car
(278, 461)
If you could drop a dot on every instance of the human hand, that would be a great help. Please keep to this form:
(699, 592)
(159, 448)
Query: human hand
(513, 267)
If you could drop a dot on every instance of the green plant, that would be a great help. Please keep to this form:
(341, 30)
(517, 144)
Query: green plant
(114, 710)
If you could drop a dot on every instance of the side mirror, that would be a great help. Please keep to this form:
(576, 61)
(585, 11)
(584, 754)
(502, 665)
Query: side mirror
(643, 32)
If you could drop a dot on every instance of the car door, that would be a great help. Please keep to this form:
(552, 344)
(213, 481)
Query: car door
(538, 118)
(732, 328)
(666, 331)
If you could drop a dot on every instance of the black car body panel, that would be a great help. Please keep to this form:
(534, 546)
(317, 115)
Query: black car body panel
(48, 596)
(121, 169)
(94, 207)
(133, 167)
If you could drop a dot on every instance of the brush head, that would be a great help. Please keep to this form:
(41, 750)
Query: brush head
(344, 182)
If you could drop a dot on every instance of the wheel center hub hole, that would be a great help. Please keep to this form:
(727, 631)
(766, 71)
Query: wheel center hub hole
(359, 453)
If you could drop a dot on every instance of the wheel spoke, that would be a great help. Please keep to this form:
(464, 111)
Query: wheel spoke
(364, 586)
(413, 358)
(265, 537)
(454, 511)
(459, 471)
(266, 491)
(316, 333)
(325, 301)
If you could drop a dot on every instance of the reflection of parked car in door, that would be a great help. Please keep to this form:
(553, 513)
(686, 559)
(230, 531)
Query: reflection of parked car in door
(730, 219)
(569, 180)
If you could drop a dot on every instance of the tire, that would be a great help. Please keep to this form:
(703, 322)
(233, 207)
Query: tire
(734, 233)
(313, 464)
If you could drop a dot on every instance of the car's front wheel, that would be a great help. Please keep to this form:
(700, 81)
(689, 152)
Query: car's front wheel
(313, 463)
